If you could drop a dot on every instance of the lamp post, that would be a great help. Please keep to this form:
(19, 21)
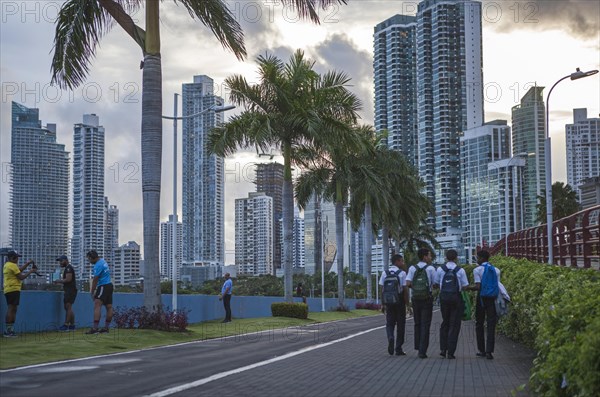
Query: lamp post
(578, 74)
(175, 118)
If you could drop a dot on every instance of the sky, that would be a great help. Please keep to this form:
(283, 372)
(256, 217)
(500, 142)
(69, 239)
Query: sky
(524, 43)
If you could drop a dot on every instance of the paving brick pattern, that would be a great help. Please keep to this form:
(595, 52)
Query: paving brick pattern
(361, 367)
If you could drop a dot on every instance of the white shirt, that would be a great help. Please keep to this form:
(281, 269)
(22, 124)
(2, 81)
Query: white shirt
(430, 273)
(478, 273)
(461, 275)
(400, 273)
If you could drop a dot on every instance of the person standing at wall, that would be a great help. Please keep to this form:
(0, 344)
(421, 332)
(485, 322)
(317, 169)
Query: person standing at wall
(226, 297)
(102, 292)
(70, 292)
(13, 277)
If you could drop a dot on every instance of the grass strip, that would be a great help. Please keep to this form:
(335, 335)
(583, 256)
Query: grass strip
(50, 346)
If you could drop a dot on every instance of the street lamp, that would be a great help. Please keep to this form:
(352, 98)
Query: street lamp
(578, 74)
(175, 118)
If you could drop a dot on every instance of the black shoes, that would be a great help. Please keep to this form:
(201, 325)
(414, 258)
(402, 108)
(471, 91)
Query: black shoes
(400, 353)
(489, 356)
(391, 347)
(422, 355)
(480, 354)
(443, 353)
(450, 356)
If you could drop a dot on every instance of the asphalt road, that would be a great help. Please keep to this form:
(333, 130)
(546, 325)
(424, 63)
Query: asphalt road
(185, 369)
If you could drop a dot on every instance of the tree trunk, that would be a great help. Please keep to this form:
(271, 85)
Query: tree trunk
(385, 248)
(151, 156)
(367, 239)
(288, 223)
(151, 173)
(339, 242)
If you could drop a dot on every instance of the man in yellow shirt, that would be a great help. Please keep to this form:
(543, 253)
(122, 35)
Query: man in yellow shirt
(13, 276)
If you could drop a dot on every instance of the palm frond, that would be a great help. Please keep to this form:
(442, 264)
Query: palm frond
(311, 182)
(80, 25)
(242, 131)
(217, 17)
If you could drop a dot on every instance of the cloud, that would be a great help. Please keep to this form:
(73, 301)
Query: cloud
(338, 52)
(579, 18)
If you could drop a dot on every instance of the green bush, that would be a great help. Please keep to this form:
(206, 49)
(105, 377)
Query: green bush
(556, 311)
(294, 310)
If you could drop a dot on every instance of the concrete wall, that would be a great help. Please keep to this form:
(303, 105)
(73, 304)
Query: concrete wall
(43, 310)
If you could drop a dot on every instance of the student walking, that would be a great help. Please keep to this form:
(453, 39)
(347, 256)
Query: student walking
(395, 299)
(487, 279)
(420, 279)
(450, 279)
(13, 277)
(226, 297)
(70, 292)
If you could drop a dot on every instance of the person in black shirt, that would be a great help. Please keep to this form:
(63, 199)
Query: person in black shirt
(70, 292)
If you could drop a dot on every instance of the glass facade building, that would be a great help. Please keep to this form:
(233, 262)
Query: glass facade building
(491, 185)
(202, 176)
(39, 190)
(529, 133)
(88, 192)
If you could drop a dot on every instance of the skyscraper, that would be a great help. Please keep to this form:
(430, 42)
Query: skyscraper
(491, 196)
(254, 234)
(166, 248)
(319, 235)
(88, 190)
(583, 149)
(298, 249)
(39, 191)
(529, 133)
(202, 177)
(111, 230)
(395, 61)
(449, 98)
(269, 179)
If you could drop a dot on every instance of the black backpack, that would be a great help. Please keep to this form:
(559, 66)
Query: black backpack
(449, 290)
(391, 288)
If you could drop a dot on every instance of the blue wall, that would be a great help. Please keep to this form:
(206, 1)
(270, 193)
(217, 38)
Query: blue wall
(43, 310)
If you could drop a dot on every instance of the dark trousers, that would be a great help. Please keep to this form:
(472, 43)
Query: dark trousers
(451, 322)
(485, 310)
(227, 305)
(395, 317)
(422, 311)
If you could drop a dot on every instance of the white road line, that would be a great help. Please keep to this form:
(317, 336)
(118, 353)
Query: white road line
(74, 360)
(201, 382)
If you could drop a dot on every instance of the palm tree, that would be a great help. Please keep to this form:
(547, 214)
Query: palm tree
(80, 25)
(386, 195)
(409, 241)
(564, 202)
(292, 108)
(328, 175)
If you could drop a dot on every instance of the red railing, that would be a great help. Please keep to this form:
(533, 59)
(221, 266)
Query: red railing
(576, 241)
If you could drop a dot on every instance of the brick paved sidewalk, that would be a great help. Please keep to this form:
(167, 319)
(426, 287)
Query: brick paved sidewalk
(361, 367)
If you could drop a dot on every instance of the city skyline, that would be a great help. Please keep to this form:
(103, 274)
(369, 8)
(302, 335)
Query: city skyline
(518, 51)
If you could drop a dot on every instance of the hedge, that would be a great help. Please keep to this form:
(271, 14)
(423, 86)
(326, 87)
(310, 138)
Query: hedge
(556, 311)
(294, 310)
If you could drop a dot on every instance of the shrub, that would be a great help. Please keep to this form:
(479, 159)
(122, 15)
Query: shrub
(141, 318)
(555, 310)
(340, 308)
(368, 305)
(285, 309)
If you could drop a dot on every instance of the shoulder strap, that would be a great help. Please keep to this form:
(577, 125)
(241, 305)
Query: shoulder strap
(445, 268)
(456, 269)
